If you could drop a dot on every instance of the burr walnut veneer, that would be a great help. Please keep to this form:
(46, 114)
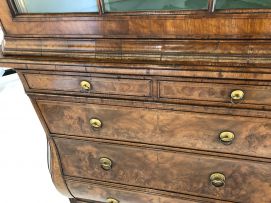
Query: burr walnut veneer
(149, 106)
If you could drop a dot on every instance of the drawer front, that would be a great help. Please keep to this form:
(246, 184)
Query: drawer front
(167, 170)
(162, 127)
(214, 92)
(99, 85)
(92, 191)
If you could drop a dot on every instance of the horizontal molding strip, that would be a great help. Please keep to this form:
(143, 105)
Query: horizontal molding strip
(159, 51)
(248, 73)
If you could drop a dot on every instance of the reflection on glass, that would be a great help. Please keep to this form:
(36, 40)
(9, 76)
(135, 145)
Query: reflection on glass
(239, 4)
(56, 6)
(147, 5)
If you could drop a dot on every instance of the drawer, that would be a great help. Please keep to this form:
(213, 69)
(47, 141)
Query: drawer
(252, 136)
(97, 85)
(245, 181)
(100, 193)
(215, 92)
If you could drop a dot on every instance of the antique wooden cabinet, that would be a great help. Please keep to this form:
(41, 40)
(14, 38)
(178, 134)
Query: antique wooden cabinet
(148, 101)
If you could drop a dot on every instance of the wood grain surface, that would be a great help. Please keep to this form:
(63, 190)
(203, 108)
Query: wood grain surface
(246, 181)
(159, 51)
(205, 25)
(214, 92)
(161, 127)
(55, 169)
(161, 85)
(174, 89)
(84, 190)
(99, 85)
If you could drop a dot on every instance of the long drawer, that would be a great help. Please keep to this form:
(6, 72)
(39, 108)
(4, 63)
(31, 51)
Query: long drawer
(219, 133)
(87, 84)
(238, 180)
(102, 193)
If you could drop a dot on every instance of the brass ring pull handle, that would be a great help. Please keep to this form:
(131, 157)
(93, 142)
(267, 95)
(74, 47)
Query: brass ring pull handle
(226, 137)
(217, 179)
(85, 85)
(237, 96)
(106, 163)
(95, 123)
(112, 200)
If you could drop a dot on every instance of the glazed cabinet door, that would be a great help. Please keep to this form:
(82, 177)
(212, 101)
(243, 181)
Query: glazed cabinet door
(52, 6)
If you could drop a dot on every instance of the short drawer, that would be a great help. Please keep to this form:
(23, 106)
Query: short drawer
(101, 193)
(96, 85)
(193, 174)
(191, 130)
(215, 92)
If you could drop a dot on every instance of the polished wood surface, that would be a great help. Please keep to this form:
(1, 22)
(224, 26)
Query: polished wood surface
(181, 90)
(55, 169)
(146, 168)
(99, 85)
(162, 127)
(143, 107)
(151, 88)
(206, 52)
(213, 92)
(100, 192)
(232, 24)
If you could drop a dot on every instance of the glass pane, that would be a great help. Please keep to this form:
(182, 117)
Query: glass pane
(56, 6)
(147, 5)
(239, 4)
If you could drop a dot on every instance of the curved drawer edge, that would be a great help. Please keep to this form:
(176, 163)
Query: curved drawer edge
(56, 170)
(86, 190)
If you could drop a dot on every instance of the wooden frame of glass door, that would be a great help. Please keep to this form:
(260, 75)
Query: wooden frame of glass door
(211, 9)
(151, 25)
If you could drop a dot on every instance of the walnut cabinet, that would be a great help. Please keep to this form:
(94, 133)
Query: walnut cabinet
(148, 101)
